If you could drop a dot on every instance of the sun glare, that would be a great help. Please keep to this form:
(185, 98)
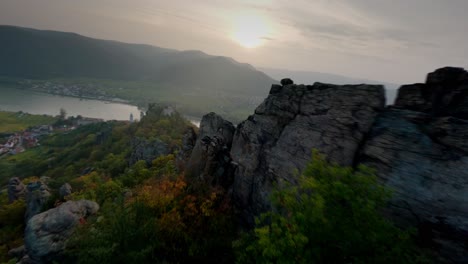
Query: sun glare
(250, 31)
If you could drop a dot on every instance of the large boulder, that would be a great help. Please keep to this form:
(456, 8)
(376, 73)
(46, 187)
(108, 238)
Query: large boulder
(37, 196)
(16, 189)
(210, 160)
(276, 143)
(46, 233)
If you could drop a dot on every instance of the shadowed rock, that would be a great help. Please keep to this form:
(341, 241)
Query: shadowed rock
(188, 143)
(445, 93)
(286, 81)
(277, 141)
(16, 189)
(65, 190)
(420, 150)
(210, 160)
(37, 195)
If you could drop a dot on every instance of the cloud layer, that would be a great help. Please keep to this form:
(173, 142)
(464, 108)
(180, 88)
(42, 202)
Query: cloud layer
(396, 41)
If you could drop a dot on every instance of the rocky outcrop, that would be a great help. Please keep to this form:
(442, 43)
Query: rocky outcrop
(65, 190)
(277, 141)
(16, 189)
(445, 93)
(210, 160)
(46, 233)
(189, 140)
(420, 150)
(147, 150)
(37, 195)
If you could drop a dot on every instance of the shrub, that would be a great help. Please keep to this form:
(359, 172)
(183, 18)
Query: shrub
(331, 216)
(162, 222)
(11, 225)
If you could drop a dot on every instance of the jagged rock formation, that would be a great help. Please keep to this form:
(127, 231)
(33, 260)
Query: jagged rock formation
(16, 189)
(445, 93)
(420, 150)
(278, 139)
(210, 160)
(188, 143)
(65, 190)
(47, 232)
(147, 150)
(37, 195)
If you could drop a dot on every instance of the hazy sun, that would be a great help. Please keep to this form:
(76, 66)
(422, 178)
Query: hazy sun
(250, 31)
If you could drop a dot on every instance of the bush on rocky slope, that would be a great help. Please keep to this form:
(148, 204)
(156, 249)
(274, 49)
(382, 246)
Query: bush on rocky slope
(331, 216)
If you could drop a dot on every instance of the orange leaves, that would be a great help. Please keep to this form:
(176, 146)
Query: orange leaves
(177, 207)
(161, 193)
(190, 208)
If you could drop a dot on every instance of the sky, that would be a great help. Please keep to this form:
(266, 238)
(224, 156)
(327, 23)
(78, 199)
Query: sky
(396, 41)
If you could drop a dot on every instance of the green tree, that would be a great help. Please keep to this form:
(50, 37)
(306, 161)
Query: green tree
(62, 114)
(331, 216)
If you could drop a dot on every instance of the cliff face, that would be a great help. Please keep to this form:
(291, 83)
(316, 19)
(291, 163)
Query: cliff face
(276, 142)
(419, 148)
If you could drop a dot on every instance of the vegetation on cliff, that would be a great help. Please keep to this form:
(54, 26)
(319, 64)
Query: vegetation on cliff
(331, 216)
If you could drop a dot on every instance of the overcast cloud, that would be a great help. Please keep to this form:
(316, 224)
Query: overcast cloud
(396, 41)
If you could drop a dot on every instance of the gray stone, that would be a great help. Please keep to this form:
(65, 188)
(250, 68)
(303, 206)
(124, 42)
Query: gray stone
(37, 195)
(276, 143)
(46, 233)
(65, 190)
(16, 189)
(210, 160)
(424, 160)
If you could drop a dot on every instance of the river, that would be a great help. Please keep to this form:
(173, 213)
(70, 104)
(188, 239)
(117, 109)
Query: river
(15, 100)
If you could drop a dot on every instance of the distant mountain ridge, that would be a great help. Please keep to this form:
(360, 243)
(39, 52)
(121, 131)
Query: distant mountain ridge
(32, 53)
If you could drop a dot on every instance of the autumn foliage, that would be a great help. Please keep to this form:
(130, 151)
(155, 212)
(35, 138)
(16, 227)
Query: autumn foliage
(162, 220)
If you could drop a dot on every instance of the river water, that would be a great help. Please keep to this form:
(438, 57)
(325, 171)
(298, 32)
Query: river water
(15, 100)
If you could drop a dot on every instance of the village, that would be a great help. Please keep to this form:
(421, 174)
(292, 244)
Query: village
(20, 141)
(88, 90)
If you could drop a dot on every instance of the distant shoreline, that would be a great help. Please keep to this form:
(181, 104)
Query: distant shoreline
(118, 101)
